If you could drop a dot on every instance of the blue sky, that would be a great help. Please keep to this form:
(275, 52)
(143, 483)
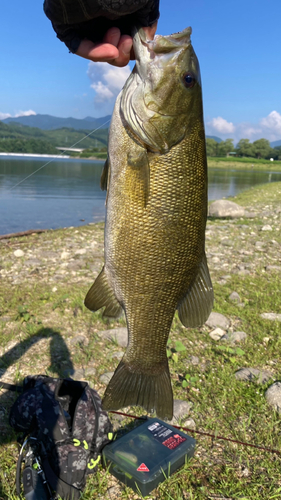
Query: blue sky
(238, 44)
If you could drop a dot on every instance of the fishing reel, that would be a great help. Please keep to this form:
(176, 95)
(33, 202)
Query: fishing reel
(30, 473)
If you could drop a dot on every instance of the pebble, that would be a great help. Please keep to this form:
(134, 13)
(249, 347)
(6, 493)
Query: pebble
(235, 297)
(190, 423)
(273, 396)
(267, 227)
(119, 335)
(235, 336)
(18, 253)
(217, 319)
(253, 375)
(181, 409)
(106, 377)
(271, 316)
(217, 334)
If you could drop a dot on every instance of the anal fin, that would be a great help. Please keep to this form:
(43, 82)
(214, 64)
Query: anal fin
(100, 295)
(196, 306)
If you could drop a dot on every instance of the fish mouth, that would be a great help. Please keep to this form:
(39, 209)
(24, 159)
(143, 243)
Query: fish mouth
(146, 49)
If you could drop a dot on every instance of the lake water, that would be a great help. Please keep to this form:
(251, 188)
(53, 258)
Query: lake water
(67, 193)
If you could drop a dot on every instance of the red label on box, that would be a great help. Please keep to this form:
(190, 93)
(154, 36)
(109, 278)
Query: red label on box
(143, 468)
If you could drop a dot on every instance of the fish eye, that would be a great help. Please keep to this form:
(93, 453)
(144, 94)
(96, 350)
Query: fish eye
(189, 80)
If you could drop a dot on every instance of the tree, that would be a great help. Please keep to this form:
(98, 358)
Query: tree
(225, 147)
(262, 148)
(211, 146)
(245, 148)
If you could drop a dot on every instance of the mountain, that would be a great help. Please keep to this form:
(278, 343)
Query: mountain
(48, 122)
(217, 139)
(275, 144)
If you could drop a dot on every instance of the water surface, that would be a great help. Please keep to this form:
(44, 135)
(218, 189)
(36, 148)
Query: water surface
(67, 192)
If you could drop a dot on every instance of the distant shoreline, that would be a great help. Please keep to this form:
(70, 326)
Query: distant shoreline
(34, 155)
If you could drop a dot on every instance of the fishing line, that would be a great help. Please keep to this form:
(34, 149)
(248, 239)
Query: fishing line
(214, 436)
(54, 159)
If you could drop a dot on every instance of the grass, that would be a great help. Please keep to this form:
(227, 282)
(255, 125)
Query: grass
(42, 322)
(244, 164)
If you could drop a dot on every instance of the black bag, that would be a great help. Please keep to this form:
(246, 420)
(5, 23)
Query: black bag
(66, 429)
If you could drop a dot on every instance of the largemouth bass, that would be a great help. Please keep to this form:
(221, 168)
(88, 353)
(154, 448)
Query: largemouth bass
(156, 176)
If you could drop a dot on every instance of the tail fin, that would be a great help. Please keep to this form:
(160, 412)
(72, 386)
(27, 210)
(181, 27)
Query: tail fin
(147, 389)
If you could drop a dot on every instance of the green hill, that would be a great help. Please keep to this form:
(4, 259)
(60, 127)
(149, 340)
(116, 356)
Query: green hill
(17, 138)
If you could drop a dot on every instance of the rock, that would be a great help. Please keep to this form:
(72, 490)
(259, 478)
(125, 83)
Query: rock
(271, 316)
(79, 339)
(273, 396)
(33, 262)
(114, 491)
(217, 334)
(75, 374)
(18, 253)
(119, 335)
(106, 377)
(273, 268)
(190, 424)
(235, 336)
(267, 227)
(225, 208)
(181, 409)
(216, 319)
(64, 255)
(227, 242)
(90, 371)
(235, 297)
(118, 355)
(193, 360)
(253, 375)
(81, 251)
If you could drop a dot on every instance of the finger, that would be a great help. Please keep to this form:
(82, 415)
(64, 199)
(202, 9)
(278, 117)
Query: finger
(112, 36)
(101, 52)
(124, 47)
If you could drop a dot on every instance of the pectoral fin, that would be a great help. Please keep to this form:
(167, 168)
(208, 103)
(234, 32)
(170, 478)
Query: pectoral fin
(197, 305)
(139, 163)
(102, 295)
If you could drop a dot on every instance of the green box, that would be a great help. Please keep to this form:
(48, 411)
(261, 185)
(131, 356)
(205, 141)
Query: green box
(147, 455)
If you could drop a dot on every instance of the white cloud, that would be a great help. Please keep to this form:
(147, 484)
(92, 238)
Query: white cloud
(102, 92)
(3, 116)
(272, 124)
(25, 113)
(268, 127)
(222, 126)
(107, 81)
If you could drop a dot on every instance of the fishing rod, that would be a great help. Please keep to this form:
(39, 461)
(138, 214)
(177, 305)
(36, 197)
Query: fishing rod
(53, 159)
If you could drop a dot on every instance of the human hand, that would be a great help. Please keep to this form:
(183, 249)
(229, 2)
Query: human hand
(116, 49)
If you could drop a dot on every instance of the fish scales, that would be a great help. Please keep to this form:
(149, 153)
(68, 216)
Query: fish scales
(154, 250)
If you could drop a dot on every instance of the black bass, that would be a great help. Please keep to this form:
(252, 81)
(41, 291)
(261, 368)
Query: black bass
(156, 176)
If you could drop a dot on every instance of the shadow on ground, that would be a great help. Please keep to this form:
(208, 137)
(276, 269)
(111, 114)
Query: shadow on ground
(7, 398)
